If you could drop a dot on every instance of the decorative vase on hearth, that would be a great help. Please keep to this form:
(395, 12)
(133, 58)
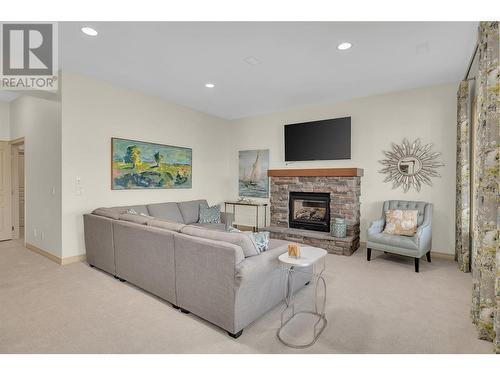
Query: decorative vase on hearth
(339, 227)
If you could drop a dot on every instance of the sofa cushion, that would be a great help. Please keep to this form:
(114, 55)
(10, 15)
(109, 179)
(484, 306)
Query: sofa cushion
(164, 224)
(393, 240)
(134, 218)
(274, 244)
(211, 226)
(240, 239)
(190, 210)
(106, 212)
(140, 209)
(260, 239)
(166, 211)
(227, 218)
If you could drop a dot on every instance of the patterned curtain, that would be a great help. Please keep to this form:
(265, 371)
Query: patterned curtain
(485, 252)
(462, 235)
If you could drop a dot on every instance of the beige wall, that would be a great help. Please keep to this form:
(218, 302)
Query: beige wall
(94, 111)
(428, 113)
(39, 121)
(4, 122)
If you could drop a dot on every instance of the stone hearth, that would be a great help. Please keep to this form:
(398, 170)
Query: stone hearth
(344, 186)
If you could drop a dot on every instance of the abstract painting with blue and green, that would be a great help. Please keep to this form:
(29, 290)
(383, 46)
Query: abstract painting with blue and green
(144, 165)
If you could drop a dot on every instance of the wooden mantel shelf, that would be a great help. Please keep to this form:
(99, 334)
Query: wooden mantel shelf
(318, 172)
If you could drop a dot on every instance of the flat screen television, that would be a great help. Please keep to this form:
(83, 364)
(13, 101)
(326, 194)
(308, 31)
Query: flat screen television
(318, 140)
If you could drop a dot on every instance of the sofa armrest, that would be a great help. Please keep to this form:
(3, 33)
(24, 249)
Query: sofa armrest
(259, 266)
(424, 237)
(99, 245)
(205, 278)
(376, 226)
(227, 218)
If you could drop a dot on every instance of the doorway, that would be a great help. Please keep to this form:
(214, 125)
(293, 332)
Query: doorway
(18, 197)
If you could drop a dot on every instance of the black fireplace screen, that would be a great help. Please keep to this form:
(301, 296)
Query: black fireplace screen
(309, 211)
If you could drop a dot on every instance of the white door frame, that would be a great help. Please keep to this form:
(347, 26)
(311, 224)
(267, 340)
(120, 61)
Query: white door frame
(15, 188)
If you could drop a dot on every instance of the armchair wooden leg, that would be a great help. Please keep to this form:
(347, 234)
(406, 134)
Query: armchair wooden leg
(416, 264)
(368, 254)
(428, 255)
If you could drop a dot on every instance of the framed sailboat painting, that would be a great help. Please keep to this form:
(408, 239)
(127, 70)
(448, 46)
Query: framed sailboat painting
(253, 180)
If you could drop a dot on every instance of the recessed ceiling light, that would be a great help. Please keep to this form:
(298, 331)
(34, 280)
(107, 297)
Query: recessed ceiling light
(209, 85)
(422, 48)
(250, 60)
(89, 31)
(344, 45)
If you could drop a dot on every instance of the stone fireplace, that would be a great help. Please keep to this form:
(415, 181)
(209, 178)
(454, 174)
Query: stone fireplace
(304, 203)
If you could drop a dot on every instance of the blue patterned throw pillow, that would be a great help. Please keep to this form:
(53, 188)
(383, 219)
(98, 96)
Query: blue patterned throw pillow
(261, 240)
(209, 215)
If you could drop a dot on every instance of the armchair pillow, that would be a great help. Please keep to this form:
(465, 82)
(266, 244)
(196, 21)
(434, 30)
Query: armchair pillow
(401, 222)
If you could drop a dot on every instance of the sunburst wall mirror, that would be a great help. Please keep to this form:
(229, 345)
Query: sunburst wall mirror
(411, 164)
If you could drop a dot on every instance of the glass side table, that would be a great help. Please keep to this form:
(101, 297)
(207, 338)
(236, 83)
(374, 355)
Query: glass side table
(309, 257)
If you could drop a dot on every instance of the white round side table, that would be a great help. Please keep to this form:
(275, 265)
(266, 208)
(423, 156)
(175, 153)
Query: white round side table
(310, 258)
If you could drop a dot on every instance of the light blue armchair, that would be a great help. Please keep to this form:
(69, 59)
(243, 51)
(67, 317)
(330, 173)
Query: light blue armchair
(416, 246)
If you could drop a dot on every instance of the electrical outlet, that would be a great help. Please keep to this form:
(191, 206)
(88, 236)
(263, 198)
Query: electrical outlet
(35, 232)
(41, 235)
(78, 186)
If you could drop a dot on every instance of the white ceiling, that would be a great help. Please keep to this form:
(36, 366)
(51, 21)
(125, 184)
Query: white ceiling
(299, 61)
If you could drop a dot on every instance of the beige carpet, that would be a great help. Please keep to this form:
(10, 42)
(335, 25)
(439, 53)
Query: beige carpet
(376, 307)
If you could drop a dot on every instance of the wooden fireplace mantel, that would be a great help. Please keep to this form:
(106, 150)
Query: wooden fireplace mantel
(318, 172)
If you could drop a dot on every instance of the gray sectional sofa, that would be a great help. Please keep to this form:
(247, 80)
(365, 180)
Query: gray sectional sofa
(198, 268)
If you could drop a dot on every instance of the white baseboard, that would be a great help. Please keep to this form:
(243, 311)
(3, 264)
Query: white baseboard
(55, 258)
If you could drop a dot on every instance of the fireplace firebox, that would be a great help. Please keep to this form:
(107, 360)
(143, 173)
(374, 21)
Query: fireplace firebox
(309, 211)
